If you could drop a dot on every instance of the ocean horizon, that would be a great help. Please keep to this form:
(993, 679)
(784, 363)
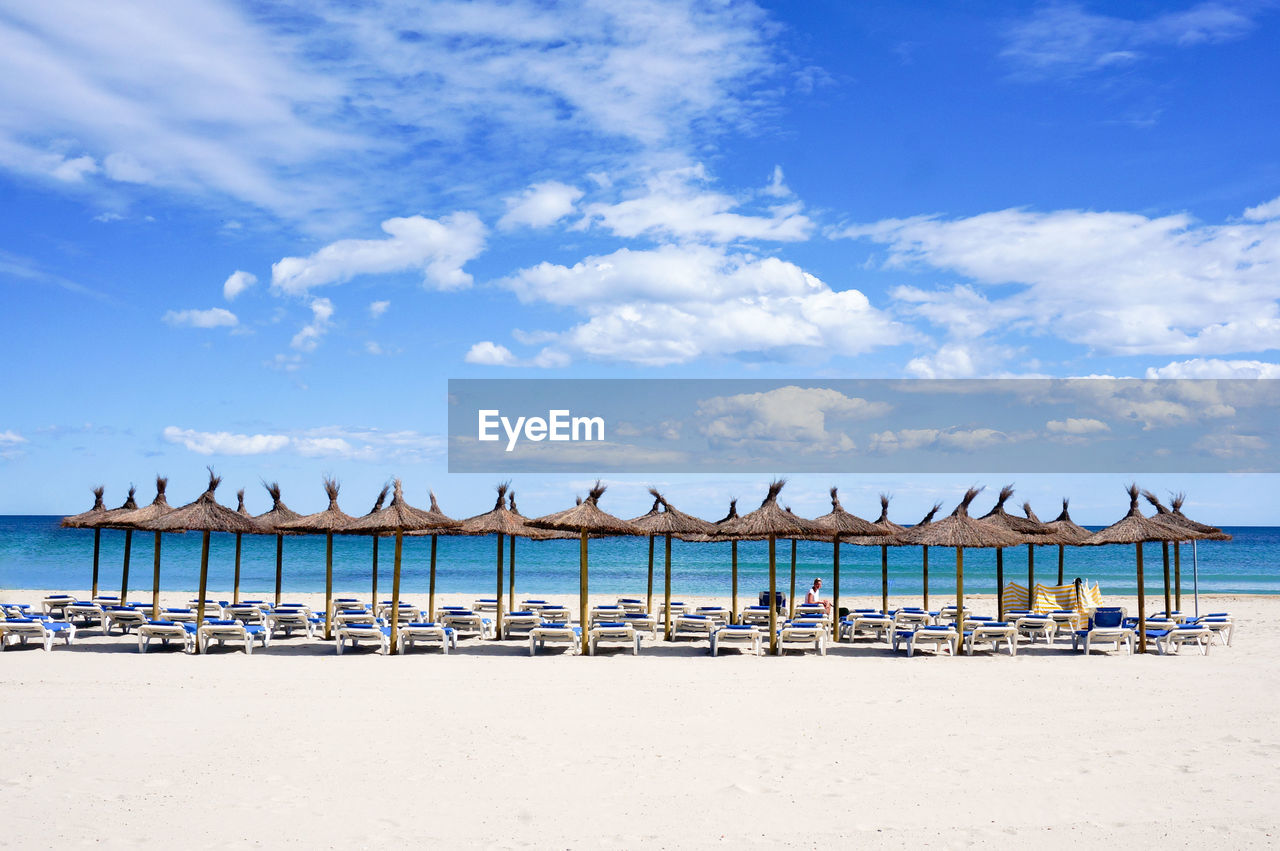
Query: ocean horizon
(36, 553)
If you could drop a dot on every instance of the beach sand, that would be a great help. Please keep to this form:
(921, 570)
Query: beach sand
(296, 746)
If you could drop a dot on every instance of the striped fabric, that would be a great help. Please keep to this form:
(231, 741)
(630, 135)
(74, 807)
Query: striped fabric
(1049, 598)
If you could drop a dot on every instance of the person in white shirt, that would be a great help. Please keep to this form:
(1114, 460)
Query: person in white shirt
(815, 596)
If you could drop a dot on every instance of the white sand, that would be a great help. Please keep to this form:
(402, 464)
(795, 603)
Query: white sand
(296, 746)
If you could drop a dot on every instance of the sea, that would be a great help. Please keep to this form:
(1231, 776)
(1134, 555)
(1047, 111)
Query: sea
(36, 553)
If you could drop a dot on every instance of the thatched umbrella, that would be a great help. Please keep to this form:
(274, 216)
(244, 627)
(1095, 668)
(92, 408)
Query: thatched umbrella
(503, 522)
(399, 517)
(1020, 526)
(961, 531)
(269, 522)
(733, 556)
(332, 519)
(653, 512)
(1211, 533)
(445, 525)
(768, 522)
(204, 515)
(243, 512)
(838, 524)
(533, 535)
(87, 520)
(1188, 533)
(158, 508)
(1064, 532)
(585, 518)
(1135, 529)
(890, 540)
(924, 554)
(111, 520)
(667, 522)
(377, 506)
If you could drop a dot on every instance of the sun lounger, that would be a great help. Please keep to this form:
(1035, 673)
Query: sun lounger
(244, 612)
(123, 617)
(359, 633)
(485, 604)
(1188, 633)
(468, 623)
(105, 600)
(941, 637)
(1032, 627)
(178, 614)
(287, 620)
(754, 616)
(212, 608)
(43, 629)
(613, 634)
(990, 634)
(748, 636)
(643, 623)
(678, 607)
(911, 618)
(598, 614)
(633, 605)
(14, 610)
(717, 613)
(804, 636)
(520, 622)
(426, 633)
(555, 614)
(1105, 627)
(554, 633)
(693, 626)
(533, 605)
(223, 631)
(166, 631)
(55, 603)
(384, 610)
(350, 616)
(1220, 624)
(948, 613)
(874, 624)
(84, 613)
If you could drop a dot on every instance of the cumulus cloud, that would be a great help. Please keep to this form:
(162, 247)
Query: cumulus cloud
(1076, 426)
(214, 317)
(437, 248)
(1264, 212)
(377, 308)
(1215, 368)
(225, 442)
(950, 439)
(489, 353)
(236, 283)
(10, 438)
(342, 442)
(308, 338)
(540, 205)
(794, 417)
(1231, 445)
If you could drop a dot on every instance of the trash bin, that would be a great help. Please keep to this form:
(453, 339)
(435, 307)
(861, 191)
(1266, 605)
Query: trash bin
(780, 599)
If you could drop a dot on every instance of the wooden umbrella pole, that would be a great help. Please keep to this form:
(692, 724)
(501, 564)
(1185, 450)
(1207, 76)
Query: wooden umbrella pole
(279, 565)
(328, 586)
(124, 575)
(959, 598)
(497, 621)
(1031, 568)
(791, 601)
(1142, 605)
(1177, 574)
(431, 592)
(511, 573)
(733, 599)
(582, 590)
(884, 580)
(926, 579)
(235, 590)
(1000, 585)
(395, 592)
(1061, 561)
(773, 594)
(97, 547)
(155, 581)
(667, 590)
(649, 604)
(835, 580)
(204, 579)
(1168, 598)
(374, 589)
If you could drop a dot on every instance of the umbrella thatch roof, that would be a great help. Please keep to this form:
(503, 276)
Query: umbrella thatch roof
(1182, 525)
(770, 519)
(958, 529)
(1133, 528)
(158, 508)
(1002, 519)
(929, 515)
(537, 534)
(203, 515)
(399, 515)
(883, 523)
(269, 522)
(112, 517)
(332, 519)
(1062, 529)
(500, 520)
(587, 517)
(840, 522)
(715, 534)
(1213, 533)
(671, 521)
(86, 519)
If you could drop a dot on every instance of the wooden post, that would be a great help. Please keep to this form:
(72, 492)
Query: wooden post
(791, 602)
(926, 578)
(733, 598)
(1177, 574)
(959, 598)
(155, 582)
(1142, 605)
(667, 591)
(511, 577)
(124, 575)
(1168, 600)
(1000, 585)
(279, 564)
(773, 594)
(235, 590)
(884, 579)
(97, 546)
(1061, 561)
(497, 620)
(582, 590)
(835, 580)
(328, 585)
(431, 597)
(204, 579)
(649, 605)
(1031, 568)
(395, 591)
(374, 589)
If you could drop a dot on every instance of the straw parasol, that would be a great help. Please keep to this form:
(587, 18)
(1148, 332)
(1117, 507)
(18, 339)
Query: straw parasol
(158, 508)
(1135, 529)
(1165, 516)
(653, 511)
(1021, 526)
(1061, 530)
(111, 520)
(203, 515)
(585, 518)
(503, 522)
(533, 535)
(377, 506)
(667, 522)
(961, 531)
(269, 523)
(768, 522)
(328, 521)
(1212, 533)
(884, 542)
(86, 520)
(838, 524)
(733, 555)
(924, 551)
(399, 517)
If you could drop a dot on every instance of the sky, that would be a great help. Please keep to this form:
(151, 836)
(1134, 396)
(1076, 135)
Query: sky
(263, 236)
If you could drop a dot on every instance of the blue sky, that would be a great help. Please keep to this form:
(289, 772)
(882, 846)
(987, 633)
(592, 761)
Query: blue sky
(263, 236)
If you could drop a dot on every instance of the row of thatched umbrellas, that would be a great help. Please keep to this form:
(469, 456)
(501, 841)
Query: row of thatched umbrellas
(997, 529)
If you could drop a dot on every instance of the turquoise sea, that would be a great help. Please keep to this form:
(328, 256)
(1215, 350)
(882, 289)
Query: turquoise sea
(36, 553)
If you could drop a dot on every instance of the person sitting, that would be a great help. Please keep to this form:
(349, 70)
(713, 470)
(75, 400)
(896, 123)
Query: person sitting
(815, 597)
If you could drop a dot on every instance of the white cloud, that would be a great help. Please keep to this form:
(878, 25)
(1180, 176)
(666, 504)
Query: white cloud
(438, 248)
(490, 354)
(1231, 445)
(1076, 426)
(344, 442)
(540, 205)
(672, 304)
(951, 439)
(9, 438)
(796, 417)
(1215, 368)
(377, 308)
(1264, 212)
(214, 317)
(224, 442)
(236, 283)
(308, 338)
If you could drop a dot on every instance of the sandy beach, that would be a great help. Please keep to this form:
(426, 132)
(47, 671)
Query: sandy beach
(490, 748)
